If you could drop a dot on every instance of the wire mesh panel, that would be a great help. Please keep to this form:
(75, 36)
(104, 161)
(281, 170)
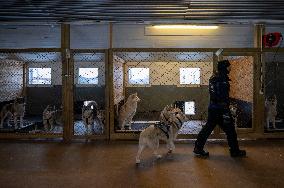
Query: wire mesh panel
(89, 94)
(274, 92)
(31, 93)
(145, 82)
(241, 90)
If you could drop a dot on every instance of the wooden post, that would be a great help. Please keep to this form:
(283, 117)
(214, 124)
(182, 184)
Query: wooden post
(107, 96)
(109, 67)
(259, 88)
(67, 83)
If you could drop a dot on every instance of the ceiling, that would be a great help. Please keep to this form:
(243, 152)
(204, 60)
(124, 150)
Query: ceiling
(219, 11)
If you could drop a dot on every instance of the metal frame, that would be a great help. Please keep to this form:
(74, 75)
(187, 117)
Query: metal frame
(270, 134)
(255, 88)
(257, 130)
(26, 135)
(258, 106)
(106, 132)
(134, 135)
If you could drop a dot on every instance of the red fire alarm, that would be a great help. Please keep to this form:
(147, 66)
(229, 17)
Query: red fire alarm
(272, 39)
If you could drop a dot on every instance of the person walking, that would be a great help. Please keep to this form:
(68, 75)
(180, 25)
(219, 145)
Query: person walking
(219, 113)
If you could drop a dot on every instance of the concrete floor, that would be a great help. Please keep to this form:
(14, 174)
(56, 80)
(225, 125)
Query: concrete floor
(101, 164)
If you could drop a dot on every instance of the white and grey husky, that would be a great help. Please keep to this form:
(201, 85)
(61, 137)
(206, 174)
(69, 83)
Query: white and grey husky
(128, 110)
(172, 119)
(270, 110)
(16, 109)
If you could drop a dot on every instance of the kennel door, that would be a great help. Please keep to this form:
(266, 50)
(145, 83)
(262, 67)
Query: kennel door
(90, 105)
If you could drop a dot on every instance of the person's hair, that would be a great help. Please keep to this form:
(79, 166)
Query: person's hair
(222, 65)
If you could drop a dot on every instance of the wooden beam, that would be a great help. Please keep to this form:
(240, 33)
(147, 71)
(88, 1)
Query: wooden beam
(259, 89)
(111, 95)
(67, 83)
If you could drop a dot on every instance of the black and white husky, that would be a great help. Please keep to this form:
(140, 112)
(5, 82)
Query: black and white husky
(172, 119)
(89, 112)
(271, 110)
(15, 109)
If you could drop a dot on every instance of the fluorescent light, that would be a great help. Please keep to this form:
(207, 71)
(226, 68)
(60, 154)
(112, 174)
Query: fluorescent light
(185, 27)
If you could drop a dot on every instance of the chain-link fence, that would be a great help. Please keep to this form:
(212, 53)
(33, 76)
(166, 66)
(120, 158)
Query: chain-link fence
(241, 90)
(145, 82)
(31, 93)
(31, 90)
(89, 94)
(274, 92)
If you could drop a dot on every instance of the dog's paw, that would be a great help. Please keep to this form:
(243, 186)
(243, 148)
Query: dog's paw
(137, 161)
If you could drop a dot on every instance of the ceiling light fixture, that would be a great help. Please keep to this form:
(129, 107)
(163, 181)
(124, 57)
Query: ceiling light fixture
(185, 27)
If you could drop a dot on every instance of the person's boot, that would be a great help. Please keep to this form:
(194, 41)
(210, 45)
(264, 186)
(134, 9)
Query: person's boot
(238, 153)
(200, 152)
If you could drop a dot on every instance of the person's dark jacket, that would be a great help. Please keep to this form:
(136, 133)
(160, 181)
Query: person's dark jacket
(219, 89)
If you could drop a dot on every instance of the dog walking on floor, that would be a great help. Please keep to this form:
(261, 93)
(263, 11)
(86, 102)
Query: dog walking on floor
(171, 121)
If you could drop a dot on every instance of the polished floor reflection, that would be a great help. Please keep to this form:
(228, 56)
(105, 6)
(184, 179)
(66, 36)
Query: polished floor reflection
(101, 164)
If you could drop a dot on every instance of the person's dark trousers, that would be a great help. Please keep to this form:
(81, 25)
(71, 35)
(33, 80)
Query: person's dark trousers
(224, 119)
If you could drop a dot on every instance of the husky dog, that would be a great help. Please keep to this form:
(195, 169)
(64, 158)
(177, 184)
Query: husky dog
(270, 110)
(233, 110)
(127, 111)
(89, 111)
(101, 116)
(16, 109)
(101, 119)
(51, 116)
(172, 119)
(48, 118)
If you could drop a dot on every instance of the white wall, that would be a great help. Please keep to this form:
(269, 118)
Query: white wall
(124, 36)
(133, 36)
(29, 36)
(274, 28)
(89, 36)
